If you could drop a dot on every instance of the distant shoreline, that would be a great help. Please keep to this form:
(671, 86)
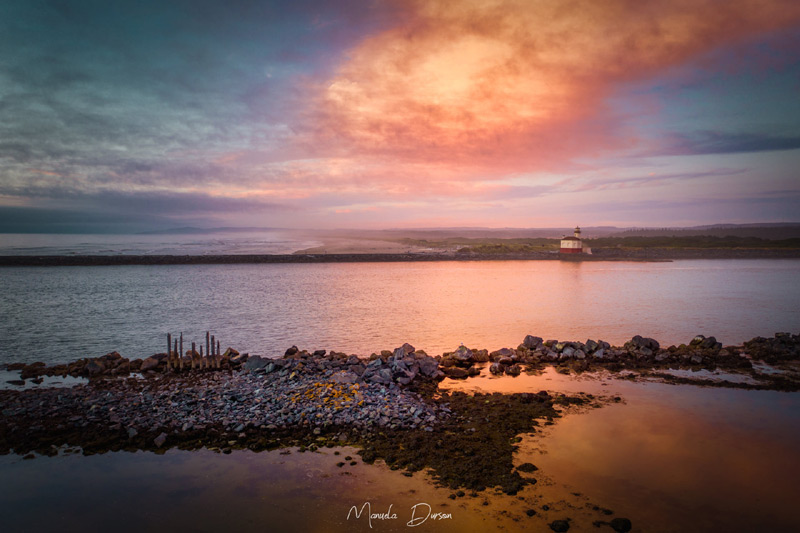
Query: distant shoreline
(636, 255)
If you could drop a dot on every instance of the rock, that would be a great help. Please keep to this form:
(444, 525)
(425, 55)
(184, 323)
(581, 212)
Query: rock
(151, 363)
(405, 349)
(591, 346)
(532, 342)
(502, 352)
(230, 352)
(505, 360)
(481, 356)
(291, 351)
(428, 366)
(255, 363)
(463, 354)
(95, 367)
(567, 352)
(132, 433)
(696, 359)
(708, 343)
(496, 368)
(579, 354)
(344, 377)
(320, 353)
(697, 340)
(621, 525)
(513, 370)
(160, 440)
(643, 345)
(559, 525)
(456, 372)
(527, 467)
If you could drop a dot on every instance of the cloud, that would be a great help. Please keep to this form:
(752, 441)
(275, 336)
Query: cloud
(714, 142)
(514, 85)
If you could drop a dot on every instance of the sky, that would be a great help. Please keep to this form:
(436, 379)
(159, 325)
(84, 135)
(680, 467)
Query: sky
(130, 116)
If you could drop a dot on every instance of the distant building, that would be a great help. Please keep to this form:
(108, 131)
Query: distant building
(572, 245)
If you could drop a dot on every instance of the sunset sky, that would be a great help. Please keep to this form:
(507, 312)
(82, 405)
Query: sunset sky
(378, 114)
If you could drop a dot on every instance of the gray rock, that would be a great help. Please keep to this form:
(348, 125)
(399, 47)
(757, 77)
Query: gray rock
(344, 377)
(590, 346)
(255, 363)
(151, 363)
(496, 368)
(428, 366)
(463, 354)
(513, 370)
(579, 354)
(599, 354)
(132, 433)
(532, 342)
(160, 440)
(567, 352)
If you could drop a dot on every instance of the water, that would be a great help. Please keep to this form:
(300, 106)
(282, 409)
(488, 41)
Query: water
(64, 313)
(671, 458)
(214, 243)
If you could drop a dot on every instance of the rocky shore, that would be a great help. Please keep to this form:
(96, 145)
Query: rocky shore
(389, 404)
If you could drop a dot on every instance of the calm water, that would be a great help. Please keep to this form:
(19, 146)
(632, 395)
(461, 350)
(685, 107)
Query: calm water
(669, 458)
(60, 314)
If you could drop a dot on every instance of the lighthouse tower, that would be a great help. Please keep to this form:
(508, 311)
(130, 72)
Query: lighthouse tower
(572, 245)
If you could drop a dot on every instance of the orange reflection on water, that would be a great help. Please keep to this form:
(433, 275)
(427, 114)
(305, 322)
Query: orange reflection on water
(671, 458)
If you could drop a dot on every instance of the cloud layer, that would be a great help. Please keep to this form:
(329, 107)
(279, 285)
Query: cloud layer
(362, 114)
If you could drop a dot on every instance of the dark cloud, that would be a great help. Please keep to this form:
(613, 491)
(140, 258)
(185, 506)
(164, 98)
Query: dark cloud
(711, 142)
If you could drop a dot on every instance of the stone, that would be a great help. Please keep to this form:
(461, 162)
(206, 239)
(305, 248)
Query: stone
(697, 340)
(463, 354)
(513, 370)
(481, 356)
(591, 346)
(532, 342)
(527, 467)
(567, 352)
(502, 352)
(151, 363)
(456, 372)
(579, 354)
(559, 526)
(291, 351)
(428, 366)
(496, 368)
(344, 377)
(255, 363)
(708, 343)
(320, 353)
(621, 525)
(230, 352)
(95, 367)
(160, 440)
(132, 433)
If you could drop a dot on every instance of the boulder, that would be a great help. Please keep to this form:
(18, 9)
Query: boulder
(160, 440)
(559, 526)
(532, 342)
(320, 353)
(591, 346)
(642, 344)
(579, 354)
(255, 363)
(456, 372)
(290, 351)
(151, 363)
(567, 352)
(513, 370)
(463, 354)
(621, 525)
(496, 368)
(95, 367)
(481, 356)
(230, 352)
(473, 371)
(428, 366)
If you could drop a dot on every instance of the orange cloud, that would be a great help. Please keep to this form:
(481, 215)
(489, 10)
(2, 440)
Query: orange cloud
(512, 85)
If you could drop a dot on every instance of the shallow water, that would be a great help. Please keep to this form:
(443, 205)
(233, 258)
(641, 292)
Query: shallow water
(674, 458)
(60, 314)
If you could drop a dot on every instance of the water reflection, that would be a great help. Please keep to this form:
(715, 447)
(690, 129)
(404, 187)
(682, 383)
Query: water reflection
(675, 458)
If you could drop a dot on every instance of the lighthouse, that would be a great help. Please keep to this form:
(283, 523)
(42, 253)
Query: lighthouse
(572, 245)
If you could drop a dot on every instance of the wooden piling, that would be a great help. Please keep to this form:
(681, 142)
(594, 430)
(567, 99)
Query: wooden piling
(208, 345)
(181, 350)
(169, 349)
(180, 359)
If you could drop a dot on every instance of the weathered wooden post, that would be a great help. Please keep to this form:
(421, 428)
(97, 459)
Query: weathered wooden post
(208, 345)
(181, 351)
(180, 359)
(169, 350)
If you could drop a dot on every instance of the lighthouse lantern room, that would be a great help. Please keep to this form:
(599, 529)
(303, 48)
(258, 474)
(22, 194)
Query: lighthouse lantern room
(572, 245)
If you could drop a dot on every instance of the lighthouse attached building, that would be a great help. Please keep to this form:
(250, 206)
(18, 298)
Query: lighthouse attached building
(572, 245)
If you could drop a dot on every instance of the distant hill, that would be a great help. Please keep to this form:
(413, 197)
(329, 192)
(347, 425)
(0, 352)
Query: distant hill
(760, 231)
